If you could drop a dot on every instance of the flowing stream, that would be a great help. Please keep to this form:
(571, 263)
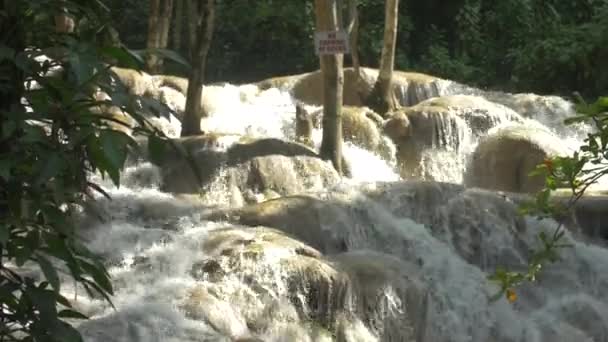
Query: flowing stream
(367, 258)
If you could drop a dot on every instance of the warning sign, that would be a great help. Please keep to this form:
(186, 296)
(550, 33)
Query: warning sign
(331, 43)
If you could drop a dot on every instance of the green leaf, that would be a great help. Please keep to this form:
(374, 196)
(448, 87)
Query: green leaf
(157, 149)
(33, 134)
(52, 166)
(5, 169)
(49, 272)
(44, 300)
(122, 56)
(8, 128)
(114, 145)
(6, 53)
(57, 247)
(66, 333)
(53, 215)
(99, 275)
(83, 63)
(71, 314)
(602, 102)
(4, 233)
(114, 148)
(22, 254)
(63, 301)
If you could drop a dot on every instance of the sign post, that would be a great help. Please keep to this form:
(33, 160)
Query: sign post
(331, 43)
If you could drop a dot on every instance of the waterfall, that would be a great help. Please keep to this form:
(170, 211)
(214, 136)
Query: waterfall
(369, 257)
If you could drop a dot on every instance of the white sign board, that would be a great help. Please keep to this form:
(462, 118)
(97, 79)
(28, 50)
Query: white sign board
(331, 42)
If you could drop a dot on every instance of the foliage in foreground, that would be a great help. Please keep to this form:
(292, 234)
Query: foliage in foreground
(50, 143)
(576, 173)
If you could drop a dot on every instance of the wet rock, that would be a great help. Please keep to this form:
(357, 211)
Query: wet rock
(137, 82)
(209, 269)
(463, 218)
(265, 166)
(410, 88)
(298, 216)
(150, 322)
(549, 110)
(175, 82)
(202, 305)
(590, 215)
(445, 123)
(504, 159)
(281, 83)
(479, 113)
(321, 290)
(174, 100)
(362, 127)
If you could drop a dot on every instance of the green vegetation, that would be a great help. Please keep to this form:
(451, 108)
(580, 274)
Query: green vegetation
(576, 173)
(47, 152)
(548, 46)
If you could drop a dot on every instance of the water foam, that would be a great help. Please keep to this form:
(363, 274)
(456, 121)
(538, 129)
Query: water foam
(416, 258)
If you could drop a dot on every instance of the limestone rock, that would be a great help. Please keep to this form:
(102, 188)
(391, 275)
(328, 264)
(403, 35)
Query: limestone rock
(504, 159)
(281, 83)
(444, 123)
(362, 127)
(178, 83)
(294, 215)
(410, 88)
(137, 82)
(200, 304)
(382, 291)
(174, 100)
(479, 113)
(261, 166)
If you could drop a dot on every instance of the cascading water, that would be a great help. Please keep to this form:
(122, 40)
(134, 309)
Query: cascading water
(369, 258)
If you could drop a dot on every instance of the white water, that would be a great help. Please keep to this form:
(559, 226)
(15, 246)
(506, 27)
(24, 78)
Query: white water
(404, 260)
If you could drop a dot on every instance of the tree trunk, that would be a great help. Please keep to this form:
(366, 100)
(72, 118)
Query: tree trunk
(333, 82)
(193, 22)
(353, 34)
(158, 31)
(363, 90)
(165, 24)
(382, 98)
(204, 16)
(178, 25)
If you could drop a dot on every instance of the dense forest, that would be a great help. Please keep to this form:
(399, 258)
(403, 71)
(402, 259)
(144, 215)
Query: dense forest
(546, 46)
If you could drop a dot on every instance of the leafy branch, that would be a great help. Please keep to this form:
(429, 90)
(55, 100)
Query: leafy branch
(576, 173)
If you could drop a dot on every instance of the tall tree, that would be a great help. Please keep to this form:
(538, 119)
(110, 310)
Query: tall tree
(382, 98)
(353, 34)
(178, 24)
(201, 23)
(326, 13)
(158, 31)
